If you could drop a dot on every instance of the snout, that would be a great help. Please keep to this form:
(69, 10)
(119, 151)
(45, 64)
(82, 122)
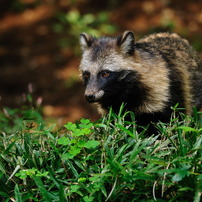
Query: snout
(92, 96)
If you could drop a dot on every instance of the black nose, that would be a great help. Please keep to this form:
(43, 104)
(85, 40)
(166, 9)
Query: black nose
(90, 98)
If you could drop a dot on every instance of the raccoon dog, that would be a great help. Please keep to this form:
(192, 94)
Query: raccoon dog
(149, 76)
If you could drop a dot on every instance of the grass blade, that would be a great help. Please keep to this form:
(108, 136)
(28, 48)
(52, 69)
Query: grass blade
(17, 194)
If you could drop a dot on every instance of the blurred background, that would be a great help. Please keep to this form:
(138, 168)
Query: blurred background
(39, 45)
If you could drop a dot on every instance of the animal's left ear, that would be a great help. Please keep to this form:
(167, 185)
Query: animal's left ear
(126, 42)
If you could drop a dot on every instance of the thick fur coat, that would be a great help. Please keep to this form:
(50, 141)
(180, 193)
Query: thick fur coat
(149, 76)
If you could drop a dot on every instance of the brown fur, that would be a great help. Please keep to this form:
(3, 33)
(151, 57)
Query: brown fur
(164, 66)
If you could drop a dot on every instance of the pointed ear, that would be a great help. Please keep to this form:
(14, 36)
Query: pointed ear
(85, 41)
(126, 42)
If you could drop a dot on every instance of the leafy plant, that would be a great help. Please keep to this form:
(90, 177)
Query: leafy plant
(77, 139)
(103, 161)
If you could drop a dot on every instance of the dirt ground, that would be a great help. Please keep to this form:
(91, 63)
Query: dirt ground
(31, 61)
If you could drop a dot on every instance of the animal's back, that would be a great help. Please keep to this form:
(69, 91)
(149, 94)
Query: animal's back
(185, 67)
(173, 49)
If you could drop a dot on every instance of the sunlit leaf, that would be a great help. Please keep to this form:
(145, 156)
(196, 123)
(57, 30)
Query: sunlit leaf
(92, 144)
(63, 141)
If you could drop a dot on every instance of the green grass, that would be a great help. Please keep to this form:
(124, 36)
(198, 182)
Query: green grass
(103, 161)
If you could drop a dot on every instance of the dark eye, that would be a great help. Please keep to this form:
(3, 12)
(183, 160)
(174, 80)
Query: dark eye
(105, 74)
(86, 75)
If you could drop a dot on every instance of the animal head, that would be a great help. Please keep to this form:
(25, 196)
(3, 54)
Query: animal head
(105, 62)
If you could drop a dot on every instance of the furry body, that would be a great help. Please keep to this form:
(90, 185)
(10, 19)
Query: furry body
(149, 76)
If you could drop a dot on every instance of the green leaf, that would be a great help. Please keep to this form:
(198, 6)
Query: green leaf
(92, 144)
(125, 130)
(74, 188)
(198, 144)
(187, 129)
(181, 173)
(85, 121)
(67, 156)
(86, 131)
(31, 172)
(94, 178)
(185, 189)
(22, 174)
(82, 179)
(63, 141)
(70, 126)
(17, 194)
(78, 132)
(74, 150)
(88, 198)
(9, 147)
(178, 177)
(42, 174)
(81, 143)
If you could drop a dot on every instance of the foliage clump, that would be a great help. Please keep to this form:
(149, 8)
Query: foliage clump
(74, 23)
(103, 161)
